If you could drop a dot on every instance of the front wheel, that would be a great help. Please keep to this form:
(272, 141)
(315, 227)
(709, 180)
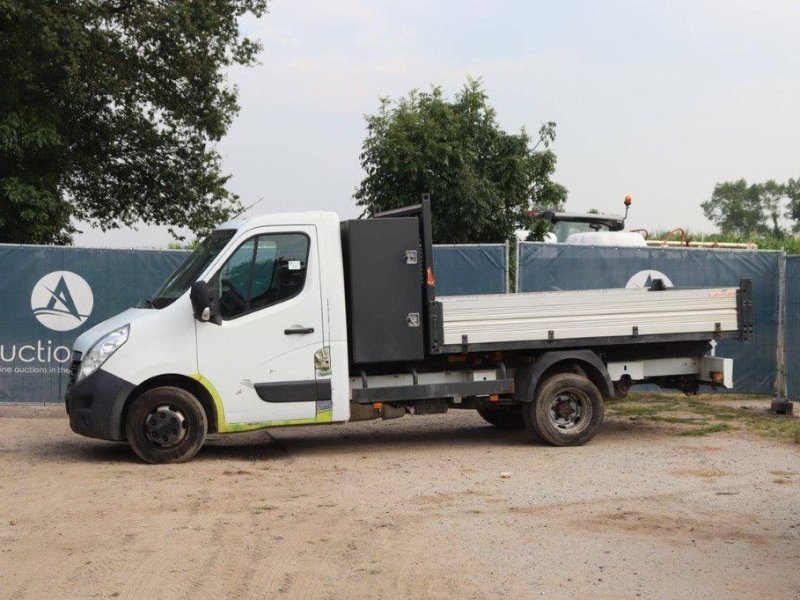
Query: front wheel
(567, 410)
(166, 425)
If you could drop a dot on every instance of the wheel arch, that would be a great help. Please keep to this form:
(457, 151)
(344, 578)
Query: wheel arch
(192, 386)
(582, 362)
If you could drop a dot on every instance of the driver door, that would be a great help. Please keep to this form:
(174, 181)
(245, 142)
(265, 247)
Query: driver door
(260, 359)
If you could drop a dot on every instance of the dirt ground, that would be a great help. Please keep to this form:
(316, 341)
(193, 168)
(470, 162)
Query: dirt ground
(435, 507)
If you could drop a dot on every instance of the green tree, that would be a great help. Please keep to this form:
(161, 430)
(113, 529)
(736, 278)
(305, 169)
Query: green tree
(736, 207)
(792, 191)
(482, 179)
(773, 198)
(747, 210)
(110, 111)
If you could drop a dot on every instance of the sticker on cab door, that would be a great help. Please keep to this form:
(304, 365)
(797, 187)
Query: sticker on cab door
(322, 362)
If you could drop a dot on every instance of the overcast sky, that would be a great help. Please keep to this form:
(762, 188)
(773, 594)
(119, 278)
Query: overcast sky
(655, 99)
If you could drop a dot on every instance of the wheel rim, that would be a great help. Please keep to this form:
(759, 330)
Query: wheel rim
(568, 410)
(166, 426)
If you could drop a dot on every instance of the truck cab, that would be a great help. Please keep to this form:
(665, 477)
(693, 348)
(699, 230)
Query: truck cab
(277, 333)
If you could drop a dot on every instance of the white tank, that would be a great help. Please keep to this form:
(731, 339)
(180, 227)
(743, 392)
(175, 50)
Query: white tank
(607, 238)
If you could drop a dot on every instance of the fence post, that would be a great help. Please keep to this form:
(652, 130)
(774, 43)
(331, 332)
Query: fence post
(508, 266)
(780, 404)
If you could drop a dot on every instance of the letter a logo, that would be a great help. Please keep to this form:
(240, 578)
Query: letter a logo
(644, 279)
(62, 300)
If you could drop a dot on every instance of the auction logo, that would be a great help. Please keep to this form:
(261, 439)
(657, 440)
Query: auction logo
(644, 279)
(62, 300)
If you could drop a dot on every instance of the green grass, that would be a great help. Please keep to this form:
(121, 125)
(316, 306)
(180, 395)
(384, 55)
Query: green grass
(681, 420)
(705, 414)
(715, 428)
(642, 408)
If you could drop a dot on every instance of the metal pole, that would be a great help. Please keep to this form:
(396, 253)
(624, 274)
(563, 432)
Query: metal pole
(508, 266)
(781, 405)
(519, 255)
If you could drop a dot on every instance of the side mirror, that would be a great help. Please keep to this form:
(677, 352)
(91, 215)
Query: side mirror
(202, 302)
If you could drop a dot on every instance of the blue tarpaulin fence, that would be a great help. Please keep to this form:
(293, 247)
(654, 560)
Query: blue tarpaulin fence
(91, 285)
(36, 333)
(471, 269)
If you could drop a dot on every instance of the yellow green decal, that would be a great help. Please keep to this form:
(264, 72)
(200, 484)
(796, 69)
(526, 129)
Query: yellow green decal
(324, 413)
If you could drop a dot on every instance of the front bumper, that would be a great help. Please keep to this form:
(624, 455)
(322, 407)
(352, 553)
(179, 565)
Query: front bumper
(95, 404)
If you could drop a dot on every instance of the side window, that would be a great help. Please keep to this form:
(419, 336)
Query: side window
(264, 268)
(280, 270)
(234, 279)
(262, 272)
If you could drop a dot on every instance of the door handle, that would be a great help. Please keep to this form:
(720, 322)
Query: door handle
(299, 331)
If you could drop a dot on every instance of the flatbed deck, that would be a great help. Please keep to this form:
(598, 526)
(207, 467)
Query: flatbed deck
(587, 314)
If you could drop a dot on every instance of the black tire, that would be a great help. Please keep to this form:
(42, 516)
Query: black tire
(502, 417)
(166, 425)
(567, 410)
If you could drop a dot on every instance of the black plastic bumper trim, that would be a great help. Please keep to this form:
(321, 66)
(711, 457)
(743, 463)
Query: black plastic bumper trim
(95, 405)
(295, 391)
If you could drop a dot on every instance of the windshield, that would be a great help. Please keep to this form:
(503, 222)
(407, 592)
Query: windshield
(564, 229)
(189, 270)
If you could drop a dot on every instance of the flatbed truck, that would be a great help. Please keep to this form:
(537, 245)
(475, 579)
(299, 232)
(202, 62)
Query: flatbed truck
(299, 319)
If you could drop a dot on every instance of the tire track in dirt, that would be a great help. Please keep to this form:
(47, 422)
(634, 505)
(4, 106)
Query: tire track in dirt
(267, 575)
(254, 554)
(334, 528)
(159, 573)
(141, 579)
(21, 592)
(301, 555)
(208, 566)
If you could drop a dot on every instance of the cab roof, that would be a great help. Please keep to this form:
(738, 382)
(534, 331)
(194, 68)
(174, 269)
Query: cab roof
(295, 218)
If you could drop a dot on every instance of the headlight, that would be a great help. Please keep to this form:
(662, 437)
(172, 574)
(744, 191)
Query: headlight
(105, 347)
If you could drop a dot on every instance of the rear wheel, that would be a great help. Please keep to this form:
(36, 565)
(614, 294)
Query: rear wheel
(567, 410)
(502, 417)
(166, 425)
